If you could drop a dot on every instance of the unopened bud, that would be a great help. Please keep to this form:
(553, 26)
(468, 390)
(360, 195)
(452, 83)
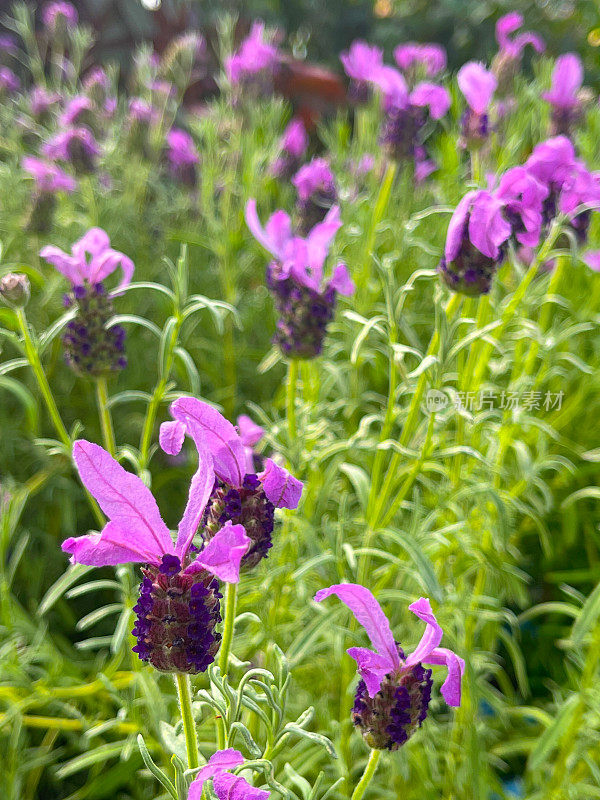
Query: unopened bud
(15, 289)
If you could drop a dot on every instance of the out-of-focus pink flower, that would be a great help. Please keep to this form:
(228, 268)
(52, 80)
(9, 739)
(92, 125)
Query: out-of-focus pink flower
(48, 177)
(431, 56)
(510, 23)
(254, 56)
(60, 13)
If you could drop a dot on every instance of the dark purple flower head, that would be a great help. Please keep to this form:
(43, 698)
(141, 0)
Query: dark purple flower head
(475, 242)
(478, 86)
(8, 81)
(361, 63)
(226, 786)
(178, 606)
(238, 496)
(41, 100)
(406, 112)
(393, 696)
(317, 192)
(430, 57)
(76, 145)
(48, 177)
(59, 16)
(564, 94)
(255, 57)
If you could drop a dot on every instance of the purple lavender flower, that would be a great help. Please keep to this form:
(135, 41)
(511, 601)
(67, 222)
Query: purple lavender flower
(431, 58)
(304, 302)
(392, 697)
(76, 145)
(59, 17)
(9, 83)
(49, 179)
(317, 192)
(361, 63)
(75, 111)
(182, 155)
(570, 184)
(255, 60)
(8, 45)
(238, 496)
(142, 111)
(292, 147)
(478, 86)
(225, 785)
(514, 47)
(567, 79)
(92, 346)
(475, 242)
(41, 101)
(406, 112)
(96, 80)
(178, 608)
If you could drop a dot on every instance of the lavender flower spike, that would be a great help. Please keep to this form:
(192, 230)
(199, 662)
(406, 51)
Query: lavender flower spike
(293, 145)
(226, 786)
(92, 345)
(478, 86)
(361, 63)
(238, 495)
(178, 607)
(507, 60)
(392, 697)
(567, 79)
(475, 243)
(254, 59)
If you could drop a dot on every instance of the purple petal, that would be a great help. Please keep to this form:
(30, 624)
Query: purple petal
(451, 688)
(123, 497)
(488, 228)
(234, 787)
(369, 614)
(477, 85)
(113, 545)
(432, 635)
(105, 264)
(281, 488)
(67, 265)
(220, 762)
(319, 240)
(341, 280)
(201, 487)
(592, 259)
(506, 25)
(171, 437)
(278, 233)
(250, 432)
(433, 96)
(373, 667)
(92, 243)
(393, 87)
(224, 552)
(211, 430)
(567, 78)
(456, 227)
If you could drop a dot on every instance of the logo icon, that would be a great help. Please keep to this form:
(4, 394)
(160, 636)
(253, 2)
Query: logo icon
(436, 400)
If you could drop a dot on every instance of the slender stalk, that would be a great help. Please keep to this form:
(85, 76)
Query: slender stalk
(108, 434)
(184, 693)
(228, 627)
(38, 370)
(367, 776)
(291, 389)
(36, 365)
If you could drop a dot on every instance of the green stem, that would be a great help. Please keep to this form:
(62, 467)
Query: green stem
(380, 206)
(108, 434)
(291, 388)
(367, 775)
(228, 627)
(38, 370)
(184, 693)
(36, 365)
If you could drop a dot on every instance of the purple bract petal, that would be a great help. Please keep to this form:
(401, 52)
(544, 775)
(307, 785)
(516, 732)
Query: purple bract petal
(224, 552)
(201, 487)
(234, 787)
(369, 614)
(451, 688)
(221, 761)
(477, 85)
(171, 437)
(281, 488)
(373, 667)
(567, 78)
(432, 635)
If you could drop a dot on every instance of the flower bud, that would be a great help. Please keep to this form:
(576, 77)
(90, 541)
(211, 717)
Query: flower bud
(15, 289)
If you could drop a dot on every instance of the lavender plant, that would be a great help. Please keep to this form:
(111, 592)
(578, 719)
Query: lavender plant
(415, 384)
